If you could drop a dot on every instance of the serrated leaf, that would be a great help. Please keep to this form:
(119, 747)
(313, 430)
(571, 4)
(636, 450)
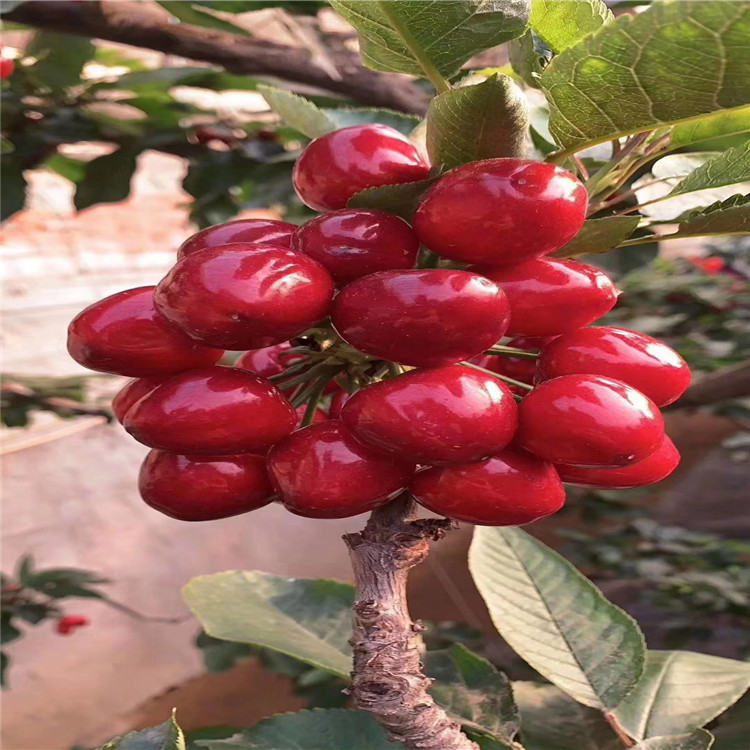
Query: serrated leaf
(309, 620)
(681, 691)
(711, 126)
(599, 236)
(734, 726)
(190, 13)
(483, 121)
(556, 619)
(698, 740)
(529, 56)
(731, 216)
(107, 178)
(472, 691)
(401, 200)
(563, 24)
(297, 112)
(729, 168)
(675, 61)
(166, 736)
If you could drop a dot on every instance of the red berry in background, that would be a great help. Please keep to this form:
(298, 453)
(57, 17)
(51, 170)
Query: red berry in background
(337, 165)
(422, 318)
(656, 467)
(212, 411)
(7, 68)
(268, 231)
(132, 392)
(434, 416)
(337, 404)
(501, 211)
(508, 489)
(126, 335)
(652, 367)
(518, 368)
(589, 420)
(66, 625)
(204, 488)
(549, 297)
(271, 360)
(356, 242)
(321, 471)
(245, 297)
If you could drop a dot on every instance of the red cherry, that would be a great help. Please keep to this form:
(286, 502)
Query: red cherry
(271, 360)
(267, 231)
(501, 211)
(549, 297)
(338, 165)
(66, 625)
(356, 242)
(638, 360)
(423, 318)
(321, 471)
(337, 404)
(204, 488)
(7, 68)
(245, 298)
(132, 392)
(214, 411)
(446, 415)
(126, 335)
(656, 467)
(588, 420)
(508, 489)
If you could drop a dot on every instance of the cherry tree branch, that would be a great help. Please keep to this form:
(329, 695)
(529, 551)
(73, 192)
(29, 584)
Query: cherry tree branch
(722, 385)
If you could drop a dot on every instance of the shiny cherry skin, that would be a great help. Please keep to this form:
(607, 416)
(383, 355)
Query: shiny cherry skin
(7, 68)
(659, 465)
(518, 368)
(589, 420)
(247, 298)
(508, 489)
(266, 231)
(638, 360)
(337, 165)
(501, 211)
(356, 242)
(271, 360)
(549, 297)
(422, 318)
(212, 411)
(126, 335)
(204, 488)
(434, 416)
(130, 393)
(337, 404)
(321, 471)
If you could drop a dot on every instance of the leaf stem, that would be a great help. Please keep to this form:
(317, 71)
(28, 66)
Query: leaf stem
(622, 735)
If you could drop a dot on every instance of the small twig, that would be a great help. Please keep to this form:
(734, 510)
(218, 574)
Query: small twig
(622, 735)
(504, 378)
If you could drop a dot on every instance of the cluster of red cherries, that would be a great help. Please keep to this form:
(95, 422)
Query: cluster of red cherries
(376, 353)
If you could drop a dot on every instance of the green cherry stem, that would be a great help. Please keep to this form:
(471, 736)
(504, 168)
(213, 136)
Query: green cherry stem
(314, 400)
(509, 351)
(504, 378)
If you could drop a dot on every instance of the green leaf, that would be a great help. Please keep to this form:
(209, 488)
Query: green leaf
(556, 619)
(675, 61)
(716, 125)
(309, 620)
(731, 216)
(681, 691)
(166, 736)
(734, 726)
(188, 12)
(107, 178)
(401, 200)
(599, 236)
(346, 116)
(700, 739)
(218, 655)
(297, 112)
(8, 631)
(14, 186)
(61, 583)
(425, 36)
(4, 665)
(65, 166)
(729, 168)
(60, 58)
(564, 24)
(529, 56)
(483, 121)
(472, 691)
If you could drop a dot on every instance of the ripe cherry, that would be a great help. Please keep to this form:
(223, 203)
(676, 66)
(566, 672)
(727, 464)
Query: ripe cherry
(444, 415)
(588, 420)
(423, 318)
(267, 231)
(548, 297)
(67, 624)
(337, 404)
(132, 392)
(204, 488)
(271, 360)
(508, 489)
(638, 360)
(126, 335)
(656, 467)
(245, 297)
(355, 242)
(321, 471)
(501, 211)
(7, 68)
(212, 411)
(338, 165)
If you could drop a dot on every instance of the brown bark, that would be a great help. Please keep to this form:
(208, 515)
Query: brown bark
(722, 385)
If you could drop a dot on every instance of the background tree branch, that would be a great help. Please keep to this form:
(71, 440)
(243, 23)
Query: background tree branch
(722, 385)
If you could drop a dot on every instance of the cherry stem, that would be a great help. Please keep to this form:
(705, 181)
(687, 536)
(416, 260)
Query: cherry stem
(307, 389)
(509, 351)
(395, 370)
(497, 375)
(314, 400)
(307, 375)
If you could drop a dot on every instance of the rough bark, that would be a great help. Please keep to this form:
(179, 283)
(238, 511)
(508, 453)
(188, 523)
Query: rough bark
(722, 385)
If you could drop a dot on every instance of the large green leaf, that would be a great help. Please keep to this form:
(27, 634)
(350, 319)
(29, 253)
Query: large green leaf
(107, 178)
(563, 24)
(599, 236)
(675, 61)
(731, 216)
(60, 58)
(681, 691)
(700, 739)
(556, 619)
(483, 121)
(734, 726)
(401, 200)
(192, 13)
(729, 168)
(166, 736)
(307, 619)
(425, 36)
(717, 125)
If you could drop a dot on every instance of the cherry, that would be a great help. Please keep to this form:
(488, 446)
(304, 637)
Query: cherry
(589, 420)
(271, 360)
(337, 404)
(214, 411)
(245, 297)
(638, 360)
(656, 467)
(518, 368)
(7, 68)
(355, 242)
(67, 624)
(130, 393)
(126, 335)
(446, 415)
(501, 211)
(508, 489)
(338, 165)
(204, 488)
(423, 318)
(549, 297)
(268, 231)
(321, 471)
